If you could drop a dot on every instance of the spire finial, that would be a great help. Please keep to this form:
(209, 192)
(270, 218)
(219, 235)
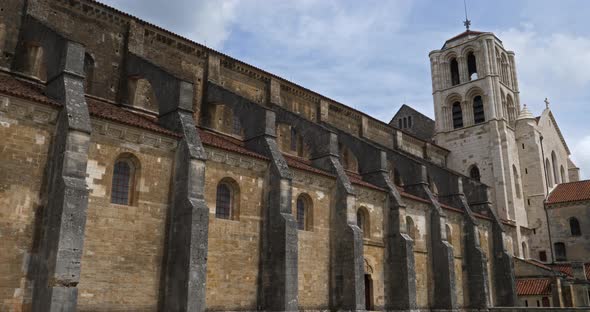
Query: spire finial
(467, 22)
(546, 103)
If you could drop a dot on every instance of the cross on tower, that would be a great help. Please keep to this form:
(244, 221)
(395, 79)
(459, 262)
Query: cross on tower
(467, 22)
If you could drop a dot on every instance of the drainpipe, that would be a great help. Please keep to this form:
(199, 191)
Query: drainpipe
(545, 201)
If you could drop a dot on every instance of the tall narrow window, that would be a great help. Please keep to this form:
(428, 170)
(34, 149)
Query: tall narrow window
(563, 176)
(293, 139)
(478, 113)
(362, 220)
(303, 213)
(457, 115)
(236, 125)
(560, 252)
(405, 122)
(554, 167)
(575, 227)
(223, 204)
(122, 185)
(88, 72)
(474, 173)
(399, 121)
(525, 250)
(548, 172)
(454, 72)
(516, 181)
(410, 229)
(409, 121)
(471, 66)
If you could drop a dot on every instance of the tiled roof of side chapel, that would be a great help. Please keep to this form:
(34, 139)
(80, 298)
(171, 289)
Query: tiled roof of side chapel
(570, 192)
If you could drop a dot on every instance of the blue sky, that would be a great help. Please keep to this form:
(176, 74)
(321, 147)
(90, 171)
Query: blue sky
(373, 55)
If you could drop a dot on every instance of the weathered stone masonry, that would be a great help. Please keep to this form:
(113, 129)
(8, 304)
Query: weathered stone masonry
(188, 81)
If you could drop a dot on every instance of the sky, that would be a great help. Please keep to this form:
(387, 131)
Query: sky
(373, 55)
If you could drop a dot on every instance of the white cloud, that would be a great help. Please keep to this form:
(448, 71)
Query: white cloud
(212, 22)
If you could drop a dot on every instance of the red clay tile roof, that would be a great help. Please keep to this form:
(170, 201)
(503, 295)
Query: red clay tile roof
(226, 143)
(119, 114)
(533, 286)
(303, 164)
(358, 180)
(566, 268)
(570, 192)
(10, 85)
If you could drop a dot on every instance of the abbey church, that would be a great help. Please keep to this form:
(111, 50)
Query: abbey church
(142, 171)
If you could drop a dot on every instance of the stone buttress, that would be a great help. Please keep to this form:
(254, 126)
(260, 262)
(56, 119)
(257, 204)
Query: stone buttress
(185, 256)
(279, 285)
(443, 268)
(55, 268)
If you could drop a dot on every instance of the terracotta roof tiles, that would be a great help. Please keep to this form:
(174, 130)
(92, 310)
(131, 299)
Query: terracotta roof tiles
(566, 268)
(226, 143)
(570, 192)
(119, 114)
(10, 85)
(533, 286)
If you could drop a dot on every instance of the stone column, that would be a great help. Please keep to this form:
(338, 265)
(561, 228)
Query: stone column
(463, 74)
(56, 268)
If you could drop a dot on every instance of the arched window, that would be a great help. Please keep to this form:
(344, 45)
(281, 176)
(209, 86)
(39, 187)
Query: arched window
(525, 250)
(410, 228)
(397, 178)
(575, 227)
(511, 108)
(123, 182)
(226, 200)
(400, 121)
(409, 121)
(141, 94)
(554, 167)
(560, 252)
(405, 122)
(563, 176)
(362, 221)
(548, 171)
(88, 72)
(293, 139)
(471, 66)
(348, 159)
(474, 173)
(516, 181)
(449, 234)
(478, 113)
(454, 72)
(304, 213)
(236, 125)
(33, 62)
(457, 115)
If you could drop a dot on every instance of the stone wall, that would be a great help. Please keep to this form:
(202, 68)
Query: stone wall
(26, 130)
(577, 247)
(124, 244)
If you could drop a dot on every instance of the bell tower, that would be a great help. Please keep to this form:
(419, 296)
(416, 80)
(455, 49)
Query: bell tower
(476, 103)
